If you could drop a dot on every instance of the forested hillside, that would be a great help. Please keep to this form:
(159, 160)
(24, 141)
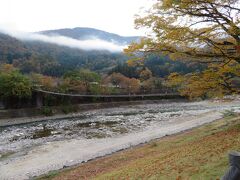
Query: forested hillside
(55, 60)
(51, 59)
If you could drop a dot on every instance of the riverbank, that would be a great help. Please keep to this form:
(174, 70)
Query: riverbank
(200, 153)
(34, 149)
(22, 116)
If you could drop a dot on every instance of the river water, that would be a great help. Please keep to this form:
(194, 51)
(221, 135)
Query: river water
(95, 130)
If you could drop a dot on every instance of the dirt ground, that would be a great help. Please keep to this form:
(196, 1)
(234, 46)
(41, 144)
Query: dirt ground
(200, 153)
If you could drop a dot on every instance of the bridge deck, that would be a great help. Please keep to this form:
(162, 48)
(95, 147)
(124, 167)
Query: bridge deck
(108, 96)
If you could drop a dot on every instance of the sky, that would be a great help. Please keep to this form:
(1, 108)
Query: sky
(115, 16)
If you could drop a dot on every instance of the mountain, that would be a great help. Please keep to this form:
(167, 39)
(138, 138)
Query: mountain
(82, 33)
(52, 59)
(55, 60)
(11, 48)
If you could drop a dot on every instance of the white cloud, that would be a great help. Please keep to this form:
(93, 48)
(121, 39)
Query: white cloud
(90, 44)
(36, 15)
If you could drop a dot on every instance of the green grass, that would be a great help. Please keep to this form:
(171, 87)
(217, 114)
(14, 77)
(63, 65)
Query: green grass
(198, 154)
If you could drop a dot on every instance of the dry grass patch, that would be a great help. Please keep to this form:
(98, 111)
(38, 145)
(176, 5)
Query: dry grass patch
(200, 153)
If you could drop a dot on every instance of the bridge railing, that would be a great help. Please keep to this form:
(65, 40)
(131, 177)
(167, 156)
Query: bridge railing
(107, 95)
(119, 93)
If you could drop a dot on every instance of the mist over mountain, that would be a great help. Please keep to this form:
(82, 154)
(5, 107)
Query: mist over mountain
(55, 55)
(84, 33)
(87, 39)
(55, 59)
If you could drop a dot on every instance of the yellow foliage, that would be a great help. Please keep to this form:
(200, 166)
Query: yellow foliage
(7, 68)
(190, 29)
(47, 82)
(216, 81)
(145, 74)
(130, 84)
(206, 31)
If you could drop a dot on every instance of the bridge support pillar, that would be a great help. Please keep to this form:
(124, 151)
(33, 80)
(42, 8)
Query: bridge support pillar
(39, 100)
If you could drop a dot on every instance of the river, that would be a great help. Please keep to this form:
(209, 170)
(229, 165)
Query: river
(33, 149)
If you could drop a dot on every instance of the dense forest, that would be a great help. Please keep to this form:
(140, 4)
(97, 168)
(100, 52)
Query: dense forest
(27, 65)
(159, 65)
(53, 60)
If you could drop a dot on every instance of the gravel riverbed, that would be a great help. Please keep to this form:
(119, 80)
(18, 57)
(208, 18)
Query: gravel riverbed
(33, 149)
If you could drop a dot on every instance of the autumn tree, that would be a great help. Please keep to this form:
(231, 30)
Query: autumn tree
(215, 81)
(130, 85)
(44, 82)
(145, 74)
(204, 31)
(71, 85)
(83, 75)
(151, 84)
(117, 79)
(148, 85)
(81, 80)
(7, 68)
(13, 83)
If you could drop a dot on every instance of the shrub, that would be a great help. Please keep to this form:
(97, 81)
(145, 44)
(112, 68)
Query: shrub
(47, 111)
(68, 109)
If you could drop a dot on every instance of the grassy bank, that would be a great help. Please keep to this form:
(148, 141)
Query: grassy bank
(200, 153)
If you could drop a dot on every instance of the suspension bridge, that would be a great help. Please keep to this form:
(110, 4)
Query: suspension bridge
(107, 96)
